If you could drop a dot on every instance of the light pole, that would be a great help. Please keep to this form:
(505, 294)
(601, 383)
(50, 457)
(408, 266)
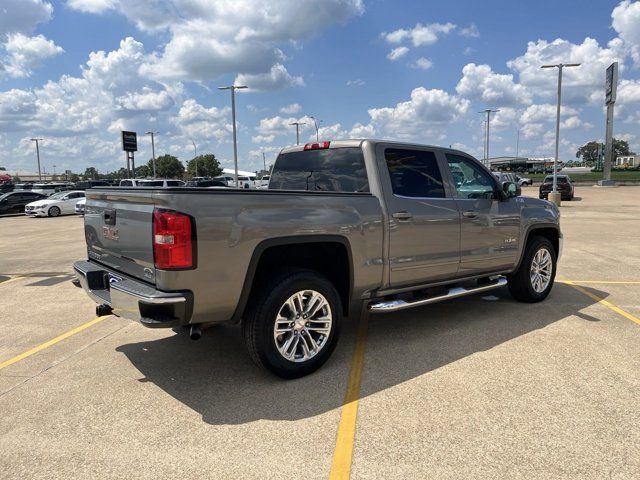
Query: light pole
(38, 154)
(153, 153)
(195, 154)
(264, 161)
(488, 111)
(315, 124)
(518, 141)
(297, 124)
(559, 66)
(233, 89)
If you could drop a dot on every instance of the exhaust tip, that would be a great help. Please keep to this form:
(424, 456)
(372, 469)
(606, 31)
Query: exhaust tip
(195, 332)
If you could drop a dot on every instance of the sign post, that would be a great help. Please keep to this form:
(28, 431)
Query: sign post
(611, 86)
(130, 145)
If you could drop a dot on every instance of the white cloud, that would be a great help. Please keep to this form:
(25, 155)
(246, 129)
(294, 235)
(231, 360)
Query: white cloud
(291, 109)
(330, 132)
(420, 34)
(92, 6)
(471, 31)
(26, 53)
(270, 128)
(145, 100)
(480, 82)
(362, 131)
(422, 63)
(355, 83)
(626, 21)
(199, 122)
(545, 113)
(397, 53)
(580, 84)
(278, 77)
(211, 38)
(426, 114)
(23, 15)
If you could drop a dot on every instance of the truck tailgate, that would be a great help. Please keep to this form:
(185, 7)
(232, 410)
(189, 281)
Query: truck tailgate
(118, 229)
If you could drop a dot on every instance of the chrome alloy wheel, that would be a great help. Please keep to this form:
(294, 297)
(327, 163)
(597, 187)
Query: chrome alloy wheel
(541, 270)
(302, 326)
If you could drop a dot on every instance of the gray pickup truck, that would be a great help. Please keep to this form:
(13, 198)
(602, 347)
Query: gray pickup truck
(343, 225)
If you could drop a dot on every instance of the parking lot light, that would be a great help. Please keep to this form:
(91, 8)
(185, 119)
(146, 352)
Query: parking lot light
(233, 89)
(38, 155)
(559, 66)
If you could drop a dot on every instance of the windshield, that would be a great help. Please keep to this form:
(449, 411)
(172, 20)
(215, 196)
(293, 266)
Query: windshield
(57, 196)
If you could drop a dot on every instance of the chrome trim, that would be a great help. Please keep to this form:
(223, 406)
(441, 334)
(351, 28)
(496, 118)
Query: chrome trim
(456, 292)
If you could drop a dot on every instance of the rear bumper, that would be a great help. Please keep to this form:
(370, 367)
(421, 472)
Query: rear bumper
(132, 299)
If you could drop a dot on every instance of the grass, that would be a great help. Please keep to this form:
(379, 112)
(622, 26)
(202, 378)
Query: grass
(630, 176)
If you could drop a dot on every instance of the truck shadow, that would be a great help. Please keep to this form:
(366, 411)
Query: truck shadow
(215, 377)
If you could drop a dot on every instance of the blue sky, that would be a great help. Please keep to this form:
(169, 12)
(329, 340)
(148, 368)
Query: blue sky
(76, 72)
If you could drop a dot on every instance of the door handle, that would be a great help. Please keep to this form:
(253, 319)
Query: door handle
(402, 216)
(470, 214)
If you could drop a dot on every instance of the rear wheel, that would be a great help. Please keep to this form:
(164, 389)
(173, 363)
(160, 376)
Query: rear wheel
(293, 329)
(534, 278)
(54, 212)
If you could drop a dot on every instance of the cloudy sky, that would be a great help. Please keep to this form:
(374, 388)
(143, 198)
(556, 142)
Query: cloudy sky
(76, 72)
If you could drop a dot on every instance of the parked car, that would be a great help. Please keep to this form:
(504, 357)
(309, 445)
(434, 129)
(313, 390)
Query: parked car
(14, 202)
(85, 184)
(523, 181)
(344, 225)
(205, 183)
(80, 206)
(61, 203)
(50, 188)
(144, 182)
(23, 186)
(6, 187)
(564, 185)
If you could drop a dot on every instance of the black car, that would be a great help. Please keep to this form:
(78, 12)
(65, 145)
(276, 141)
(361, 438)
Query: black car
(205, 183)
(563, 184)
(15, 201)
(86, 184)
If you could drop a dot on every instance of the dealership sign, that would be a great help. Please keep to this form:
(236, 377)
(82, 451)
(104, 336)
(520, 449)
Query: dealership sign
(129, 141)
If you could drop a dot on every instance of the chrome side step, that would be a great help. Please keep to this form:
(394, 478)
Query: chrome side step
(395, 305)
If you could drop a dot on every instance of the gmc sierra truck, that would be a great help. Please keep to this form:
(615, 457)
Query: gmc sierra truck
(343, 225)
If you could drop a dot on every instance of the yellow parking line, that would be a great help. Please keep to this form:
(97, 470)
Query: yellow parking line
(51, 342)
(604, 302)
(343, 453)
(13, 279)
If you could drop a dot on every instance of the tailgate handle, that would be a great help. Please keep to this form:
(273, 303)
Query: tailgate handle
(110, 216)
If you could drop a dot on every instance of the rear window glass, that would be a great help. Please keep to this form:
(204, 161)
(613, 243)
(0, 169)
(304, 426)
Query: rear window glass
(158, 183)
(326, 170)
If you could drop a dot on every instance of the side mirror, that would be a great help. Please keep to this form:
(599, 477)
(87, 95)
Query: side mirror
(511, 189)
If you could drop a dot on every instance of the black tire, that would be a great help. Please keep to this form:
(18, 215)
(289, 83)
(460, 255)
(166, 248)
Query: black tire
(54, 212)
(259, 321)
(520, 284)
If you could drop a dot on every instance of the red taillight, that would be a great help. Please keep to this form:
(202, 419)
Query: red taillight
(316, 146)
(172, 242)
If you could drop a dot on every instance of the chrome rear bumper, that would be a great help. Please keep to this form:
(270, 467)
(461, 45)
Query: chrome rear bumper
(133, 299)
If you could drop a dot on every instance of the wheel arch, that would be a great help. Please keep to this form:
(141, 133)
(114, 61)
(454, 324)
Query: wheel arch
(307, 252)
(549, 231)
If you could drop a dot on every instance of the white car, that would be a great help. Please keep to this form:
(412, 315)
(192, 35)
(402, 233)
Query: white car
(80, 206)
(61, 203)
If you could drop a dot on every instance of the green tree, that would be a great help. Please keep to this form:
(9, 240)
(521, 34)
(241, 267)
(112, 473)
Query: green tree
(143, 171)
(90, 173)
(208, 166)
(589, 151)
(167, 166)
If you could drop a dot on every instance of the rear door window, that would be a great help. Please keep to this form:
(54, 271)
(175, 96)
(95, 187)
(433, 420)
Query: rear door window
(414, 173)
(324, 170)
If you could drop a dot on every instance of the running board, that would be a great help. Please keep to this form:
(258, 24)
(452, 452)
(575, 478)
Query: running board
(395, 305)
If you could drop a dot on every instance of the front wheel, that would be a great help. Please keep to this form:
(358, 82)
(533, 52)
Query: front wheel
(534, 278)
(292, 329)
(54, 212)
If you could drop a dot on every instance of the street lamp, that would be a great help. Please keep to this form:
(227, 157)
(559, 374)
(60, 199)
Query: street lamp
(559, 66)
(488, 111)
(233, 89)
(153, 153)
(315, 124)
(297, 124)
(195, 154)
(38, 154)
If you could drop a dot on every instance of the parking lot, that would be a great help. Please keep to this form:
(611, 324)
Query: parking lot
(473, 388)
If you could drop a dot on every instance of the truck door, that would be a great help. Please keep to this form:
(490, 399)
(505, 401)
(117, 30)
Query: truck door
(490, 226)
(424, 223)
